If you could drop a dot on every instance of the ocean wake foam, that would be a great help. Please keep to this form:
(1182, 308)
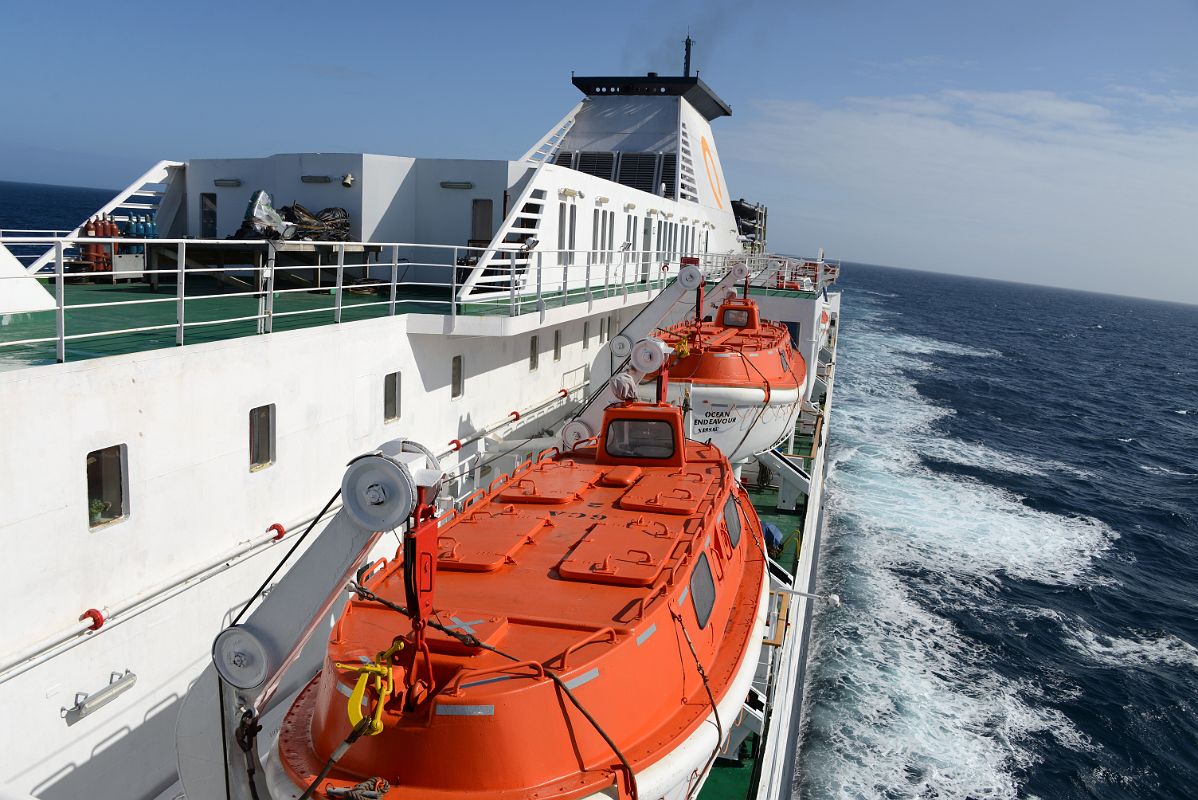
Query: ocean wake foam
(902, 703)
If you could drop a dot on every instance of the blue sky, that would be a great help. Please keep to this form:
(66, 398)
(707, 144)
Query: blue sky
(1050, 142)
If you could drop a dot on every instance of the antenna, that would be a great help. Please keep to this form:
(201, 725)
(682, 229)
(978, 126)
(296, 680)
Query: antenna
(686, 61)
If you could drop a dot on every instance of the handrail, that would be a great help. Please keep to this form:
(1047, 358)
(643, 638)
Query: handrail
(491, 294)
(124, 610)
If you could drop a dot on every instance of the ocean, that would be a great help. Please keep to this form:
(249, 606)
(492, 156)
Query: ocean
(1012, 528)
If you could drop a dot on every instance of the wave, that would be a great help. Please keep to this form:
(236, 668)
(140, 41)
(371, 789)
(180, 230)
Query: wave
(901, 703)
(1136, 652)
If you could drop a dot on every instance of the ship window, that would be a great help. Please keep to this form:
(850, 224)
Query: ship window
(262, 437)
(557, 345)
(207, 215)
(391, 396)
(639, 438)
(785, 363)
(736, 317)
(532, 354)
(594, 254)
(573, 231)
(602, 330)
(613, 327)
(586, 335)
(107, 471)
(702, 590)
(457, 377)
(732, 519)
(561, 233)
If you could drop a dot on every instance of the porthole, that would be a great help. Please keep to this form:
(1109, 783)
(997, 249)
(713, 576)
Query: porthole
(732, 519)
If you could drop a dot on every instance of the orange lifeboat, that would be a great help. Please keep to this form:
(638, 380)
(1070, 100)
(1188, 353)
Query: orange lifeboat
(597, 622)
(740, 377)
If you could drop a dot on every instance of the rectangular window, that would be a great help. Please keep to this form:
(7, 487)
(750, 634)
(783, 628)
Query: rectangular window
(602, 330)
(262, 437)
(107, 470)
(533, 354)
(557, 345)
(391, 384)
(457, 377)
(573, 231)
(561, 233)
(613, 326)
(611, 234)
(586, 335)
(591, 257)
(207, 215)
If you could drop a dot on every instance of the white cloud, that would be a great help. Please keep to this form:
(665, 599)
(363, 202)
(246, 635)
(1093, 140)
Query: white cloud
(1026, 185)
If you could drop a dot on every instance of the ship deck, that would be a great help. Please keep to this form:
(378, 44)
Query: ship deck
(104, 319)
(107, 319)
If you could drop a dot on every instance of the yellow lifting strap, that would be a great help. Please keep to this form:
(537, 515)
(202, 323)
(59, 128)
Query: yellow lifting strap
(377, 675)
(683, 348)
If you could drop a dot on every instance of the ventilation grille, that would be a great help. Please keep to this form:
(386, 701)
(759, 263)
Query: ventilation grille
(687, 180)
(599, 164)
(638, 170)
(669, 173)
(564, 158)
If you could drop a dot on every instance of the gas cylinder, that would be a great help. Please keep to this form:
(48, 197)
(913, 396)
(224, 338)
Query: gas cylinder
(91, 251)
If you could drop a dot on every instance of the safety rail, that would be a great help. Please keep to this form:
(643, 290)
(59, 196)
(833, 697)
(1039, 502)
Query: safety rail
(231, 288)
(108, 616)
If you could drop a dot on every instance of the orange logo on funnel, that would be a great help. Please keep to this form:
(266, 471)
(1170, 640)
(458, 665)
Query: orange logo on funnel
(713, 172)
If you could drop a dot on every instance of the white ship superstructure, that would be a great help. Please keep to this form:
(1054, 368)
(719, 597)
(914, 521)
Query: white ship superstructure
(167, 440)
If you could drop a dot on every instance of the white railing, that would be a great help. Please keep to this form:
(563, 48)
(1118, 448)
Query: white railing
(258, 289)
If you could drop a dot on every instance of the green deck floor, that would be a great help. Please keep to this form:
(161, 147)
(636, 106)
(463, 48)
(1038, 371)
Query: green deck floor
(209, 301)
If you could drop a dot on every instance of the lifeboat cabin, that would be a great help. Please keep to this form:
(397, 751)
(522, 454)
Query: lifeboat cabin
(744, 379)
(593, 631)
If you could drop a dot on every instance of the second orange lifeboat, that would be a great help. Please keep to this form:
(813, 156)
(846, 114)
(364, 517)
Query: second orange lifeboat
(739, 377)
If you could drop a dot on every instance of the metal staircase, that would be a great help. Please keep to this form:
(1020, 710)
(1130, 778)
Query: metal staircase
(148, 194)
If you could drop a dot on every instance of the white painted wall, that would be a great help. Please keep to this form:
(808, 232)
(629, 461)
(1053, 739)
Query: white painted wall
(183, 414)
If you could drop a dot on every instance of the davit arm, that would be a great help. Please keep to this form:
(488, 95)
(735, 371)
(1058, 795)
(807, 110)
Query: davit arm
(261, 662)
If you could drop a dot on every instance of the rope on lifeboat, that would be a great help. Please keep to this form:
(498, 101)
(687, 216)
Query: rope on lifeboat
(719, 725)
(470, 640)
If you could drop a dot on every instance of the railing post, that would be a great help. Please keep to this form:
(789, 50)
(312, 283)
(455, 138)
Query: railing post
(607, 278)
(340, 281)
(269, 322)
(180, 291)
(394, 278)
(60, 311)
(590, 300)
(512, 284)
(566, 263)
(453, 287)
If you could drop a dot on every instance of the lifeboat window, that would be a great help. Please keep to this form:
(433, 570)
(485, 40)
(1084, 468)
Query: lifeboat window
(732, 519)
(457, 377)
(391, 397)
(107, 473)
(702, 590)
(533, 354)
(262, 437)
(639, 438)
(736, 317)
(785, 363)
